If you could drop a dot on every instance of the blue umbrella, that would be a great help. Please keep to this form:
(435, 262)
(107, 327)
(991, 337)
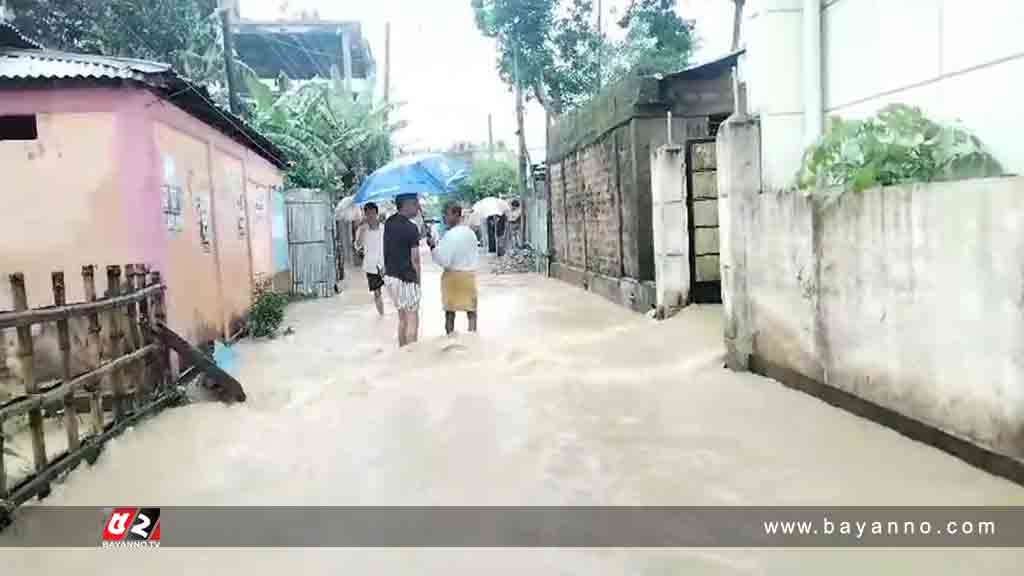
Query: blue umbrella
(417, 174)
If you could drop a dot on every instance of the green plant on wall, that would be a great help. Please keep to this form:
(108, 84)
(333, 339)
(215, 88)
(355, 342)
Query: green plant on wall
(898, 145)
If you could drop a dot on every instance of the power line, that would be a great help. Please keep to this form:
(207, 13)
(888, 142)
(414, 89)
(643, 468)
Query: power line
(285, 60)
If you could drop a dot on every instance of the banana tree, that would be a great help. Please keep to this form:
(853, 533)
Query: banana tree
(332, 139)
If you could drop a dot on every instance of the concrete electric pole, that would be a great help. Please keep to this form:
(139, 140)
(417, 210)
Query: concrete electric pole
(519, 123)
(227, 9)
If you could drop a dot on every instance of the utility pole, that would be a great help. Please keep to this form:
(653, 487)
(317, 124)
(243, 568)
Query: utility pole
(227, 8)
(490, 136)
(519, 121)
(600, 46)
(387, 63)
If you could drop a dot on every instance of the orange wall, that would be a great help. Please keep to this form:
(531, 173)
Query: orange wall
(231, 216)
(261, 180)
(63, 205)
(194, 307)
(222, 291)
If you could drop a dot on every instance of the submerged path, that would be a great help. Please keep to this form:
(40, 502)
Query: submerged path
(563, 398)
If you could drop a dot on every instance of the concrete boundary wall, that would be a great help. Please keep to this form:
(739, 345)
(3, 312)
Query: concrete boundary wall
(909, 299)
(635, 295)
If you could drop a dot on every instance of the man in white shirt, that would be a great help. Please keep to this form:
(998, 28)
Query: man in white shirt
(370, 243)
(458, 255)
(515, 225)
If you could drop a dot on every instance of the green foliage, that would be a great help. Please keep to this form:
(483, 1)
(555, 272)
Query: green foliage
(183, 33)
(331, 139)
(657, 40)
(267, 314)
(900, 144)
(555, 44)
(563, 58)
(489, 178)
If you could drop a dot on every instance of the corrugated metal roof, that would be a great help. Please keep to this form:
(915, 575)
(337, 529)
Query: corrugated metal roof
(714, 67)
(20, 67)
(46, 64)
(11, 37)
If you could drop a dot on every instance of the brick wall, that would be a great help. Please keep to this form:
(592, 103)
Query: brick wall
(602, 214)
(575, 202)
(558, 227)
(585, 209)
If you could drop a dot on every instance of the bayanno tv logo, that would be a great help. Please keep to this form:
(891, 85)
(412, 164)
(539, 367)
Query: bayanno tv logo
(132, 528)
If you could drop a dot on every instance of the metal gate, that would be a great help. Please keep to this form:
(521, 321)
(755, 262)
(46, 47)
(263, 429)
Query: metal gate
(310, 219)
(536, 233)
(702, 208)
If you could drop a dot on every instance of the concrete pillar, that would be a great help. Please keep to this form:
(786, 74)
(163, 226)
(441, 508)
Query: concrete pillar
(738, 149)
(346, 58)
(814, 106)
(671, 229)
(774, 73)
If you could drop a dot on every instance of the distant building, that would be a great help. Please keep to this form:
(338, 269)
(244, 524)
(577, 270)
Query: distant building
(303, 50)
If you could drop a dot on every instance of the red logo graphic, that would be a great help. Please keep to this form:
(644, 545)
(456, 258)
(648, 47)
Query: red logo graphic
(132, 527)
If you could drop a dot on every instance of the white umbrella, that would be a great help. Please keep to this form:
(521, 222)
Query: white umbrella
(348, 211)
(487, 207)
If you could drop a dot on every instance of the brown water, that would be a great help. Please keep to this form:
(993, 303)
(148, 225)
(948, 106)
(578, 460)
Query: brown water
(563, 398)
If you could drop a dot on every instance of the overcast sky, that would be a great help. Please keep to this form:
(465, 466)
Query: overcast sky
(444, 70)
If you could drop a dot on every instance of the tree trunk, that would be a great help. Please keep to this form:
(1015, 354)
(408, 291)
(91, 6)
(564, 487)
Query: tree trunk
(737, 19)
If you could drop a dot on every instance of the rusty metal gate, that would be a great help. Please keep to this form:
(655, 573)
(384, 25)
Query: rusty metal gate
(702, 208)
(311, 249)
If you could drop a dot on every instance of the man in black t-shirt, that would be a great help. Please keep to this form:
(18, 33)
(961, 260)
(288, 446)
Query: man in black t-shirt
(402, 266)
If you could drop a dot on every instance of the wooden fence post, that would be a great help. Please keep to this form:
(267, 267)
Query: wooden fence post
(3, 469)
(116, 340)
(64, 343)
(139, 283)
(133, 338)
(95, 390)
(27, 371)
(160, 317)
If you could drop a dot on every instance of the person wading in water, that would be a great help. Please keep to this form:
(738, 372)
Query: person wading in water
(402, 266)
(458, 254)
(370, 244)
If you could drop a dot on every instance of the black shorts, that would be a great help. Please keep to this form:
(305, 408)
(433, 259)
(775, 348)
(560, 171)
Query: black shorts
(374, 281)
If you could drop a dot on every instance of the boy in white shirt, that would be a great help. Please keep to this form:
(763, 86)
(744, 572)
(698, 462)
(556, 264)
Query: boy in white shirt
(458, 255)
(370, 243)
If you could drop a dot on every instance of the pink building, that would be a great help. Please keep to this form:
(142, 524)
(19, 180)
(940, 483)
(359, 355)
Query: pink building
(111, 161)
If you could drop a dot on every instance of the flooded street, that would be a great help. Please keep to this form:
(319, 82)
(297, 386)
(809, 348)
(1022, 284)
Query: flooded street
(562, 399)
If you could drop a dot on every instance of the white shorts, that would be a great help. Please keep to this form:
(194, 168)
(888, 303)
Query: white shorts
(404, 295)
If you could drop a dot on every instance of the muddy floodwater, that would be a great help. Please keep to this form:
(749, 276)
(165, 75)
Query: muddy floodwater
(563, 398)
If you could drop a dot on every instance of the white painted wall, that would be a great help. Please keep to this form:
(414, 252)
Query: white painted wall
(956, 59)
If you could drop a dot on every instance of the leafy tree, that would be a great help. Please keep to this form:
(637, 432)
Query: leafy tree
(332, 140)
(183, 33)
(489, 178)
(560, 50)
(554, 41)
(657, 39)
